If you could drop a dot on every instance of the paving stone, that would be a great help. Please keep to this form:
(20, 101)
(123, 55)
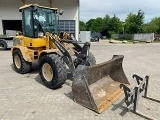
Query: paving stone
(24, 97)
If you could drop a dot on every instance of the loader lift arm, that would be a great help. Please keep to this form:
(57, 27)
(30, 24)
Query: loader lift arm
(81, 57)
(67, 57)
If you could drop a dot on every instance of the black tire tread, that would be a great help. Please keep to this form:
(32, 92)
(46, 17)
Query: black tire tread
(60, 67)
(5, 45)
(25, 66)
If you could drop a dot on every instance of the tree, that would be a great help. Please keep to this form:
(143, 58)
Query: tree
(134, 23)
(153, 26)
(106, 21)
(99, 23)
(82, 26)
(105, 30)
(150, 28)
(115, 25)
(89, 24)
(95, 25)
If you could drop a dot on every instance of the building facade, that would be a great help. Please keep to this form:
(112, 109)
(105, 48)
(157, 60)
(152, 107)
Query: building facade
(11, 19)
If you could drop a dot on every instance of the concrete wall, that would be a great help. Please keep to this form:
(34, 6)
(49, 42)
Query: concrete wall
(9, 10)
(71, 11)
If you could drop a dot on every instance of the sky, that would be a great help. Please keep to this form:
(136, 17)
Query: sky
(121, 8)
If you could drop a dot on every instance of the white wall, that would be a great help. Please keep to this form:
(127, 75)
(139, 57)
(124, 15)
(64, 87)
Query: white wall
(9, 10)
(39, 2)
(71, 11)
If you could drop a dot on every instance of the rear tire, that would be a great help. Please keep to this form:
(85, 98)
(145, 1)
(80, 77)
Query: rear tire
(3, 45)
(53, 71)
(21, 66)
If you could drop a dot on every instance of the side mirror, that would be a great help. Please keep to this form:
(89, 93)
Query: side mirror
(60, 12)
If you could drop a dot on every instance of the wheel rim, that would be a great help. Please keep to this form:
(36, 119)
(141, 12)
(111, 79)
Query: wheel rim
(17, 61)
(47, 72)
(1, 45)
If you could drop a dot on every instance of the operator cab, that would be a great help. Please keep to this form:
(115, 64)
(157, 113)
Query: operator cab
(37, 20)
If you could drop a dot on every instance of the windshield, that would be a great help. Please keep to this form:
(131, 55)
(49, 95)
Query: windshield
(45, 20)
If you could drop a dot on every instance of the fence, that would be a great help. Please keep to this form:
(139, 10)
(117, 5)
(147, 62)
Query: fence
(157, 37)
(121, 36)
(138, 37)
(144, 37)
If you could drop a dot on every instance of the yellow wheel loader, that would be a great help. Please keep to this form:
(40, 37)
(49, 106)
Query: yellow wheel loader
(94, 86)
(41, 42)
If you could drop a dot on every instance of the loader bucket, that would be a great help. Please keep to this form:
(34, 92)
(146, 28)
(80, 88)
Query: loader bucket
(97, 87)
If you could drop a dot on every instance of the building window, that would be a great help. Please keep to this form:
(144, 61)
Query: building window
(67, 26)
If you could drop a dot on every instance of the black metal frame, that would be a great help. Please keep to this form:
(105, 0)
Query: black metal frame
(81, 53)
(32, 21)
(132, 95)
(24, 22)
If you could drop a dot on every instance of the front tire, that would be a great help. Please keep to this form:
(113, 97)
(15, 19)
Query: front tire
(21, 66)
(53, 71)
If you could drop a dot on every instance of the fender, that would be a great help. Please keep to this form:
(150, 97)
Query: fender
(27, 54)
(49, 51)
